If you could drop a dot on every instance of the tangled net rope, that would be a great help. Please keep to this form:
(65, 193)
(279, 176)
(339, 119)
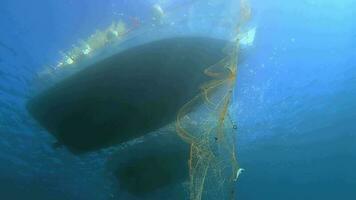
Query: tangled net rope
(213, 166)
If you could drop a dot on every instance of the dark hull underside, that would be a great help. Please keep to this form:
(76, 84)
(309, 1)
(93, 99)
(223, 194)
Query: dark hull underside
(127, 95)
(157, 167)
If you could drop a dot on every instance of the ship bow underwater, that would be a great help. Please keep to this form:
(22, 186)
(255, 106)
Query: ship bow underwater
(126, 95)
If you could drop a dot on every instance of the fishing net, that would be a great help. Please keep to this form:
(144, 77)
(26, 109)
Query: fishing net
(209, 129)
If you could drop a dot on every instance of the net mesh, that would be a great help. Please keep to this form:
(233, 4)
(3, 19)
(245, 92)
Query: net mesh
(209, 130)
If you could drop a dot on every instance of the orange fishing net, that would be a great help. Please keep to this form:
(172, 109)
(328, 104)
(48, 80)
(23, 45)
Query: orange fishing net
(213, 165)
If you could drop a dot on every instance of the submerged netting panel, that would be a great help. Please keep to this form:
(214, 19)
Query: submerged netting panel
(205, 124)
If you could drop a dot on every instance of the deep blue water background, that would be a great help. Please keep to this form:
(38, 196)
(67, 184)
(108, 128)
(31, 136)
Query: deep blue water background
(295, 97)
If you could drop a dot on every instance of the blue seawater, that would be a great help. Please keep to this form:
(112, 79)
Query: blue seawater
(295, 100)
